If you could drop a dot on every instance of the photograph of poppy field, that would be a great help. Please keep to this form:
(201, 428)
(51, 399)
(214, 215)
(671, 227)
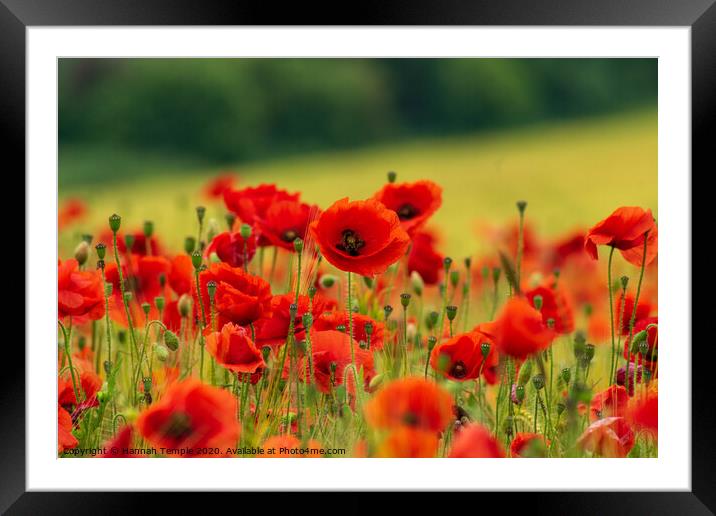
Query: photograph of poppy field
(363, 258)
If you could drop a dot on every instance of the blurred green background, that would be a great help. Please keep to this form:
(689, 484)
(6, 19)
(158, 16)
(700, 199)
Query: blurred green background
(575, 137)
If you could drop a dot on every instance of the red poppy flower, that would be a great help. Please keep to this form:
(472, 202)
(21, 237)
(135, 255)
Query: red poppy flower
(215, 188)
(519, 331)
(527, 444)
(139, 246)
(608, 437)
(609, 402)
(273, 330)
(406, 443)
(241, 298)
(181, 274)
(564, 249)
(651, 326)
(645, 413)
(412, 402)
(643, 310)
(251, 204)
(79, 293)
(333, 347)
(143, 276)
(424, 259)
(234, 350)
(360, 236)
(121, 444)
(65, 439)
(414, 203)
(555, 305)
(71, 211)
(191, 415)
(460, 358)
(284, 221)
(624, 230)
(231, 247)
(88, 384)
(332, 320)
(476, 441)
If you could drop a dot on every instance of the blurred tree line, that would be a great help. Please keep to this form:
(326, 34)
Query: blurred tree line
(233, 110)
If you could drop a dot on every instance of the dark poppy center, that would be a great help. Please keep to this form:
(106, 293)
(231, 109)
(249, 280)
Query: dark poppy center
(407, 211)
(459, 370)
(350, 243)
(179, 426)
(410, 419)
(289, 235)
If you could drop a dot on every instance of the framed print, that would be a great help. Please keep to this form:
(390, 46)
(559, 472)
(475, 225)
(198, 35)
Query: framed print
(420, 252)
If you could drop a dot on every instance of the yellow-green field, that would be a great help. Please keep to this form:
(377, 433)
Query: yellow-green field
(571, 173)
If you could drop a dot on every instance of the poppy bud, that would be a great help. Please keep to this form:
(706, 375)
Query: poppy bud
(212, 229)
(525, 373)
(200, 212)
(265, 352)
(431, 320)
(184, 305)
(368, 281)
(451, 312)
(566, 375)
(405, 299)
(638, 339)
(341, 328)
(102, 396)
(454, 278)
(496, 274)
(387, 310)
(196, 259)
(129, 241)
(161, 352)
(625, 282)
(327, 280)
(211, 288)
(307, 320)
(392, 176)
(485, 349)
(245, 231)
(368, 327)
(447, 262)
(298, 245)
(588, 309)
(431, 343)
(416, 281)
(146, 307)
(560, 407)
(101, 250)
(375, 382)
(538, 381)
(171, 340)
(107, 289)
(148, 228)
(82, 252)
(468, 262)
(312, 292)
(230, 219)
(550, 323)
(537, 302)
(189, 244)
(519, 394)
(127, 297)
(589, 350)
(115, 221)
(122, 336)
(521, 205)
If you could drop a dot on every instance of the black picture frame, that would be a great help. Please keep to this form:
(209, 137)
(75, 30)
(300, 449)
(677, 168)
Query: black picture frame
(17, 15)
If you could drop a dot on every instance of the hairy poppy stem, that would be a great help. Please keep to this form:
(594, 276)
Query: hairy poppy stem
(611, 314)
(68, 354)
(521, 205)
(203, 324)
(107, 321)
(350, 321)
(632, 320)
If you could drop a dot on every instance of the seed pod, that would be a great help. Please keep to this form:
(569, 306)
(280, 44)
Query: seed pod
(392, 176)
(566, 374)
(245, 231)
(405, 299)
(485, 349)
(101, 250)
(115, 221)
(159, 303)
(538, 381)
(171, 340)
(189, 245)
(298, 245)
(82, 252)
(129, 241)
(200, 212)
(451, 312)
(537, 302)
(196, 259)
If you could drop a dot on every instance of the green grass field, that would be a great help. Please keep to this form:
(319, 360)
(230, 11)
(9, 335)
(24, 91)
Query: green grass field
(571, 173)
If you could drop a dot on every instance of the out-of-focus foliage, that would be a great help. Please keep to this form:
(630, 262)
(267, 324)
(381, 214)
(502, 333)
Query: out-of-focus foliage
(216, 111)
